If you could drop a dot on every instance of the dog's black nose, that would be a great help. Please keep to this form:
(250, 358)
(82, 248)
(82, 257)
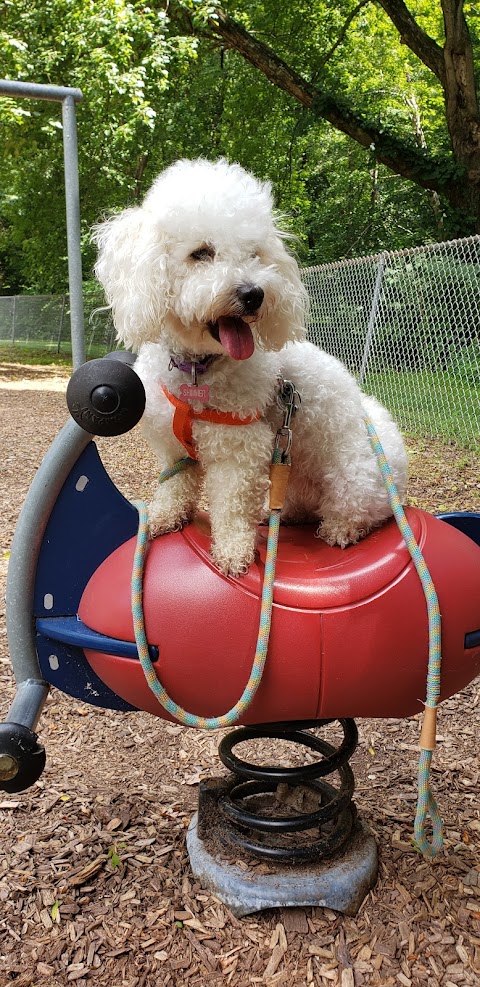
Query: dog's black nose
(251, 297)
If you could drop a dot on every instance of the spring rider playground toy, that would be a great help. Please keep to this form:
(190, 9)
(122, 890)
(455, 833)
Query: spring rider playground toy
(310, 635)
(349, 637)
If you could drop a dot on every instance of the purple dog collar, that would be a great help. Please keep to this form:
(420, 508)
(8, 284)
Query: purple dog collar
(192, 366)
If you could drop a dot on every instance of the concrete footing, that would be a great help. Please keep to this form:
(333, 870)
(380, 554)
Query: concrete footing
(340, 883)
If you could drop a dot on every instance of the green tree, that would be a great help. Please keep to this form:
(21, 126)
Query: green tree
(124, 58)
(324, 98)
(334, 59)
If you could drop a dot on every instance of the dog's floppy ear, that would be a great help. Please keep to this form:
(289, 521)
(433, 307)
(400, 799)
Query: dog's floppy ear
(288, 322)
(131, 267)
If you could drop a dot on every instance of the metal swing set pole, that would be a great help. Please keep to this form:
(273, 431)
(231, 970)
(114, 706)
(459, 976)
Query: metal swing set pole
(31, 690)
(68, 98)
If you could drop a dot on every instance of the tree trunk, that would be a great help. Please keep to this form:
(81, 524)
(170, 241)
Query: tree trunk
(461, 103)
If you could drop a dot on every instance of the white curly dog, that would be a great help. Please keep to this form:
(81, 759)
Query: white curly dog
(202, 286)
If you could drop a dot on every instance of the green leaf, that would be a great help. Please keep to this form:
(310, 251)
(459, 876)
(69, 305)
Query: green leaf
(113, 856)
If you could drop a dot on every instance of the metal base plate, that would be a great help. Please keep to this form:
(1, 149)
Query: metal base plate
(340, 883)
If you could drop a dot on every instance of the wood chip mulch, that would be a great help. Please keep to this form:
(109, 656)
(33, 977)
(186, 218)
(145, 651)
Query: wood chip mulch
(95, 884)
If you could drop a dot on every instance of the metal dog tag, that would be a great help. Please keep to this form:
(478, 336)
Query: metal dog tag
(195, 392)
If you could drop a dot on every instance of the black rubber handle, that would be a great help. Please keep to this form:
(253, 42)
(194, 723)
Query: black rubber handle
(106, 396)
(22, 758)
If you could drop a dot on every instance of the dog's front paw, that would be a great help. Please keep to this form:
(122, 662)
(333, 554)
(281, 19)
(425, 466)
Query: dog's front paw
(161, 523)
(231, 560)
(338, 531)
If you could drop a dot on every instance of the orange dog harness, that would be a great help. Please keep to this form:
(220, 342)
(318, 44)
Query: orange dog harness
(185, 415)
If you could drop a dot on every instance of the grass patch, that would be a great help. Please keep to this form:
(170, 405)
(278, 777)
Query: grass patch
(34, 356)
(423, 402)
(42, 353)
(426, 403)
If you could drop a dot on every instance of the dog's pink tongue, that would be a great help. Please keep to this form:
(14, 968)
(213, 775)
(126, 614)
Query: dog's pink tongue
(236, 337)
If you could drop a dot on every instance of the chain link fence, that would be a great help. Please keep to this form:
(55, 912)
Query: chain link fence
(42, 322)
(407, 325)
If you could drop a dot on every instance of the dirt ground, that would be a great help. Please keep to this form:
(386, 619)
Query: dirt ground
(95, 883)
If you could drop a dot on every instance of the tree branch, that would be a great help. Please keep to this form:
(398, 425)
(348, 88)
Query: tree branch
(412, 35)
(341, 36)
(402, 157)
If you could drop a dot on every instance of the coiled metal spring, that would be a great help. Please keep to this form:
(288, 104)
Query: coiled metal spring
(259, 805)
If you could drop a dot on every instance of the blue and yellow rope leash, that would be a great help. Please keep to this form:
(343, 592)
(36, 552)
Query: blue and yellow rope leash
(426, 803)
(180, 714)
(279, 477)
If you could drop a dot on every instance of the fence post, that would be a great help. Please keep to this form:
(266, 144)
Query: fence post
(14, 310)
(62, 320)
(373, 316)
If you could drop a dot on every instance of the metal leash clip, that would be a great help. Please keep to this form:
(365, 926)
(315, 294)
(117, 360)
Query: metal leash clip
(288, 400)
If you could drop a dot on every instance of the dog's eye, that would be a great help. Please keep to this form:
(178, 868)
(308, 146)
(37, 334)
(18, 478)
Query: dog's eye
(205, 252)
